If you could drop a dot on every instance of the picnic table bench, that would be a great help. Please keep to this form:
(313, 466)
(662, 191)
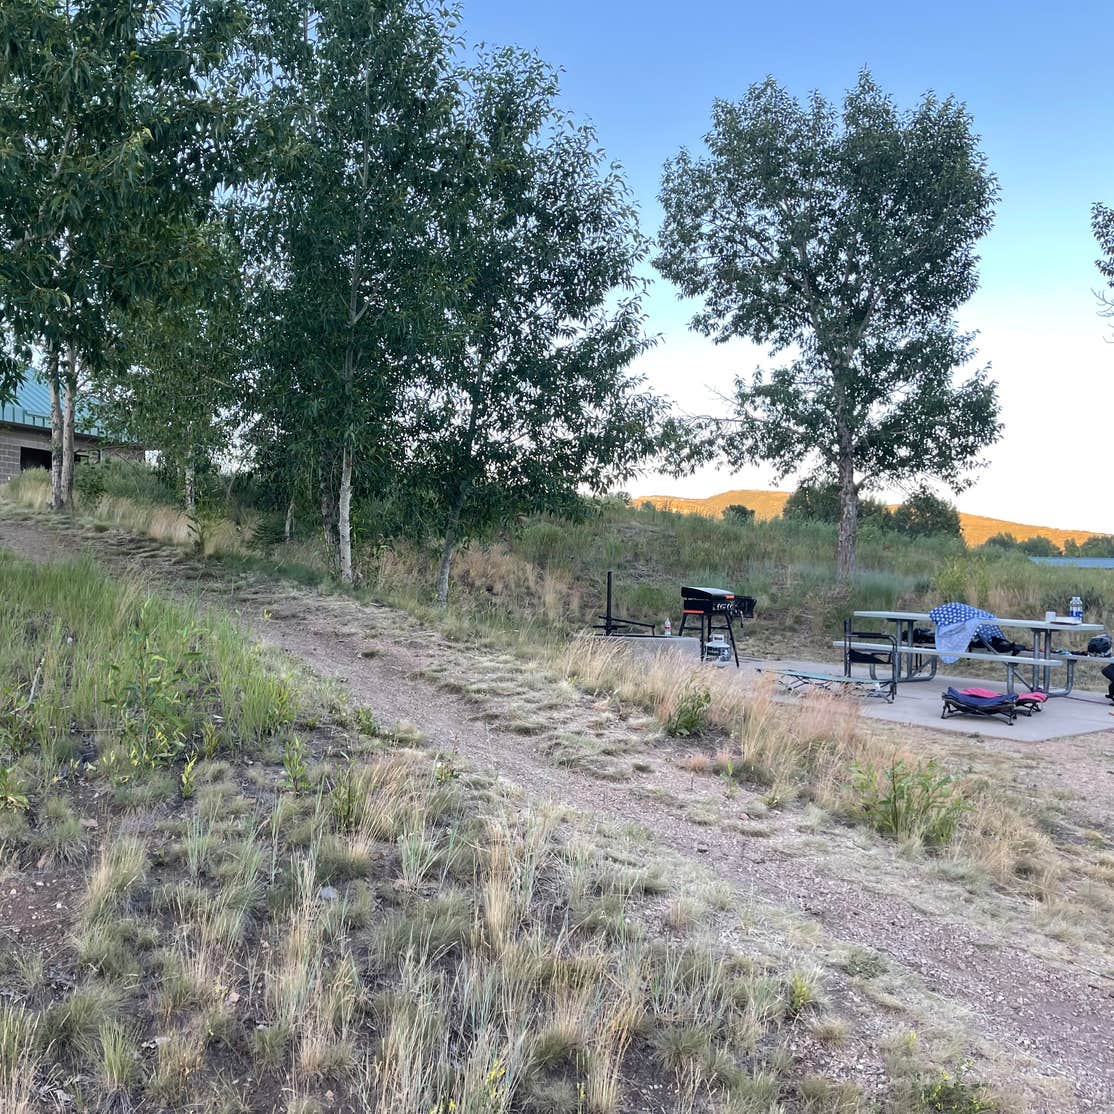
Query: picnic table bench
(1012, 662)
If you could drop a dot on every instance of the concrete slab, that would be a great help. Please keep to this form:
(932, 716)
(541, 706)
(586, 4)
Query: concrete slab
(919, 703)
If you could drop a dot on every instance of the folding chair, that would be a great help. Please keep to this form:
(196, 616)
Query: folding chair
(875, 659)
(958, 703)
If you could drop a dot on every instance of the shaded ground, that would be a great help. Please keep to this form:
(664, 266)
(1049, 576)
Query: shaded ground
(903, 946)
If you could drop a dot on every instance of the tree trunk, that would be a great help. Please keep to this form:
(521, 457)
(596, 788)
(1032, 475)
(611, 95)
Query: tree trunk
(56, 491)
(344, 517)
(190, 489)
(452, 535)
(68, 408)
(848, 518)
(288, 525)
(329, 510)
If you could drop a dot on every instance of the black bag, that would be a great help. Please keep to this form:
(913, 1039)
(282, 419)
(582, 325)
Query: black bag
(999, 645)
(1099, 646)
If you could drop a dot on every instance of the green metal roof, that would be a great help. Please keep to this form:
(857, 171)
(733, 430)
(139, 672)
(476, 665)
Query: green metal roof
(31, 407)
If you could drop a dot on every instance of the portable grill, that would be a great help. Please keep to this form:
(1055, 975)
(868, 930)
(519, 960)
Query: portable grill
(715, 608)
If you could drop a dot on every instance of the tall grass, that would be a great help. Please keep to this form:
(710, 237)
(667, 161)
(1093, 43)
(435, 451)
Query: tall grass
(135, 502)
(549, 578)
(818, 749)
(82, 654)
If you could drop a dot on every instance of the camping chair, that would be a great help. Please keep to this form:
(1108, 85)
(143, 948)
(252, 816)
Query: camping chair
(1027, 702)
(958, 703)
(873, 658)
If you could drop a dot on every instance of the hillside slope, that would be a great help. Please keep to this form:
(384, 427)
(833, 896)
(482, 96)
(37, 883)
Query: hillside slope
(769, 504)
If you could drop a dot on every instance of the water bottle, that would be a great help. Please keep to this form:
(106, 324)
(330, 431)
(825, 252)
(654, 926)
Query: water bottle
(1075, 608)
(668, 627)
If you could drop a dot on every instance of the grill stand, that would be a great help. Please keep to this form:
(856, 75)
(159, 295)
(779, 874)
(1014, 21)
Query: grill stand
(707, 628)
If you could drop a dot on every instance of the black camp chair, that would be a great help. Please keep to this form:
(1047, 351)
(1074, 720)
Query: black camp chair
(875, 659)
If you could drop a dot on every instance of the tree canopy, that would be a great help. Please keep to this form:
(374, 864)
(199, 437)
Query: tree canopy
(530, 400)
(1102, 224)
(924, 514)
(845, 239)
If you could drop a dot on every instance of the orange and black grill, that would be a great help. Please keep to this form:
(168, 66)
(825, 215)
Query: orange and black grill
(715, 608)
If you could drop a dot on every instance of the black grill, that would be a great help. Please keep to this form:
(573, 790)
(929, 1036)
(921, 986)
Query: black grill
(714, 608)
(716, 601)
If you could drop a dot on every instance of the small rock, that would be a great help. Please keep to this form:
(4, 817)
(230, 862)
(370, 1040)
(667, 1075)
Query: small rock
(328, 893)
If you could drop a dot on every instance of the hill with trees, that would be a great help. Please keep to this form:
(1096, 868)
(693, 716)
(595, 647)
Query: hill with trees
(977, 529)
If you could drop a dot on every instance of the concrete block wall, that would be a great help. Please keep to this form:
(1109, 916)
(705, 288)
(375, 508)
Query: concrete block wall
(13, 438)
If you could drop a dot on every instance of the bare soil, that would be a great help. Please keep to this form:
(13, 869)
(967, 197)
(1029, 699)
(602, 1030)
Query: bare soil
(971, 970)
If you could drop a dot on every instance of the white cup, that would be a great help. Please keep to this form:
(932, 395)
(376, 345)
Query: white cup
(1050, 616)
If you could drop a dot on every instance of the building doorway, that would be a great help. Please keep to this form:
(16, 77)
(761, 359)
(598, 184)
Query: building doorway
(33, 458)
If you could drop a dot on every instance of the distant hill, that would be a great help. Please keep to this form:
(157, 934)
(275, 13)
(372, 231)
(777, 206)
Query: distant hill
(769, 504)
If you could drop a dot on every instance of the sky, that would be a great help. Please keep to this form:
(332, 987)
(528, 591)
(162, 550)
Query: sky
(1036, 79)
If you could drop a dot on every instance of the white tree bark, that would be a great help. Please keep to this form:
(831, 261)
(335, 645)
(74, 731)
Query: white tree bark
(288, 525)
(848, 518)
(68, 408)
(190, 492)
(56, 490)
(344, 517)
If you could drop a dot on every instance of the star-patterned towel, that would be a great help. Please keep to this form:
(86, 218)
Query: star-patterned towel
(957, 625)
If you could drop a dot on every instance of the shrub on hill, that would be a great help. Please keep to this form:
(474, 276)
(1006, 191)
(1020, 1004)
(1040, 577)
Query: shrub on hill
(736, 512)
(819, 502)
(923, 514)
(1098, 545)
(1038, 546)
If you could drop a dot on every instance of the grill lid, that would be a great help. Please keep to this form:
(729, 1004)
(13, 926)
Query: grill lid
(706, 594)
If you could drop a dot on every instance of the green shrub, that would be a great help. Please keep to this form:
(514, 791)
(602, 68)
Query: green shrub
(923, 514)
(921, 802)
(736, 512)
(952, 1094)
(690, 716)
(126, 479)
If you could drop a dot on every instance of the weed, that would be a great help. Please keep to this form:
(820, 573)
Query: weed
(690, 715)
(18, 1059)
(953, 1094)
(187, 779)
(117, 1061)
(864, 964)
(122, 864)
(10, 796)
(295, 765)
(920, 802)
(801, 990)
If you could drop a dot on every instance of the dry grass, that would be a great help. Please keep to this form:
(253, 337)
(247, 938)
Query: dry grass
(19, 1059)
(818, 749)
(159, 522)
(485, 958)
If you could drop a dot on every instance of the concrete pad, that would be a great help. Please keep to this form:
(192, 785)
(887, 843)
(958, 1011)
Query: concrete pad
(919, 703)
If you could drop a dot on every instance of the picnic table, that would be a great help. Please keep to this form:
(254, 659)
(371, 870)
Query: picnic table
(918, 663)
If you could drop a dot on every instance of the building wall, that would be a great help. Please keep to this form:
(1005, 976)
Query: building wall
(13, 438)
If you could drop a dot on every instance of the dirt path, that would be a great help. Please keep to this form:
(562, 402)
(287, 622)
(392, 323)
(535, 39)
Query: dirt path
(1043, 1024)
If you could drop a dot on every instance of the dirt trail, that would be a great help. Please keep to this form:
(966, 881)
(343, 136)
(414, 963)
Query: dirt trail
(1046, 1025)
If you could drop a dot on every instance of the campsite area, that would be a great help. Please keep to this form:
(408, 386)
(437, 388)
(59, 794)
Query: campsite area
(676, 904)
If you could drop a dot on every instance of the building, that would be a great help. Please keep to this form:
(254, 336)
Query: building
(25, 432)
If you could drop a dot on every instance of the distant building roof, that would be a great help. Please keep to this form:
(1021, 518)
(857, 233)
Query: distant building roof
(31, 407)
(1076, 562)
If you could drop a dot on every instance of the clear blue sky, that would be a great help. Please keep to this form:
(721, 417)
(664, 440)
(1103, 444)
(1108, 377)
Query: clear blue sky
(1040, 86)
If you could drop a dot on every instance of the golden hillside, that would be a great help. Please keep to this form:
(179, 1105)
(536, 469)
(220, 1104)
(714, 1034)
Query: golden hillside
(768, 504)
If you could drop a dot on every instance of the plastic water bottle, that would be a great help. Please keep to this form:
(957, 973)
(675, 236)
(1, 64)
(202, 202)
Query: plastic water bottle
(668, 629)
(1075, 608)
